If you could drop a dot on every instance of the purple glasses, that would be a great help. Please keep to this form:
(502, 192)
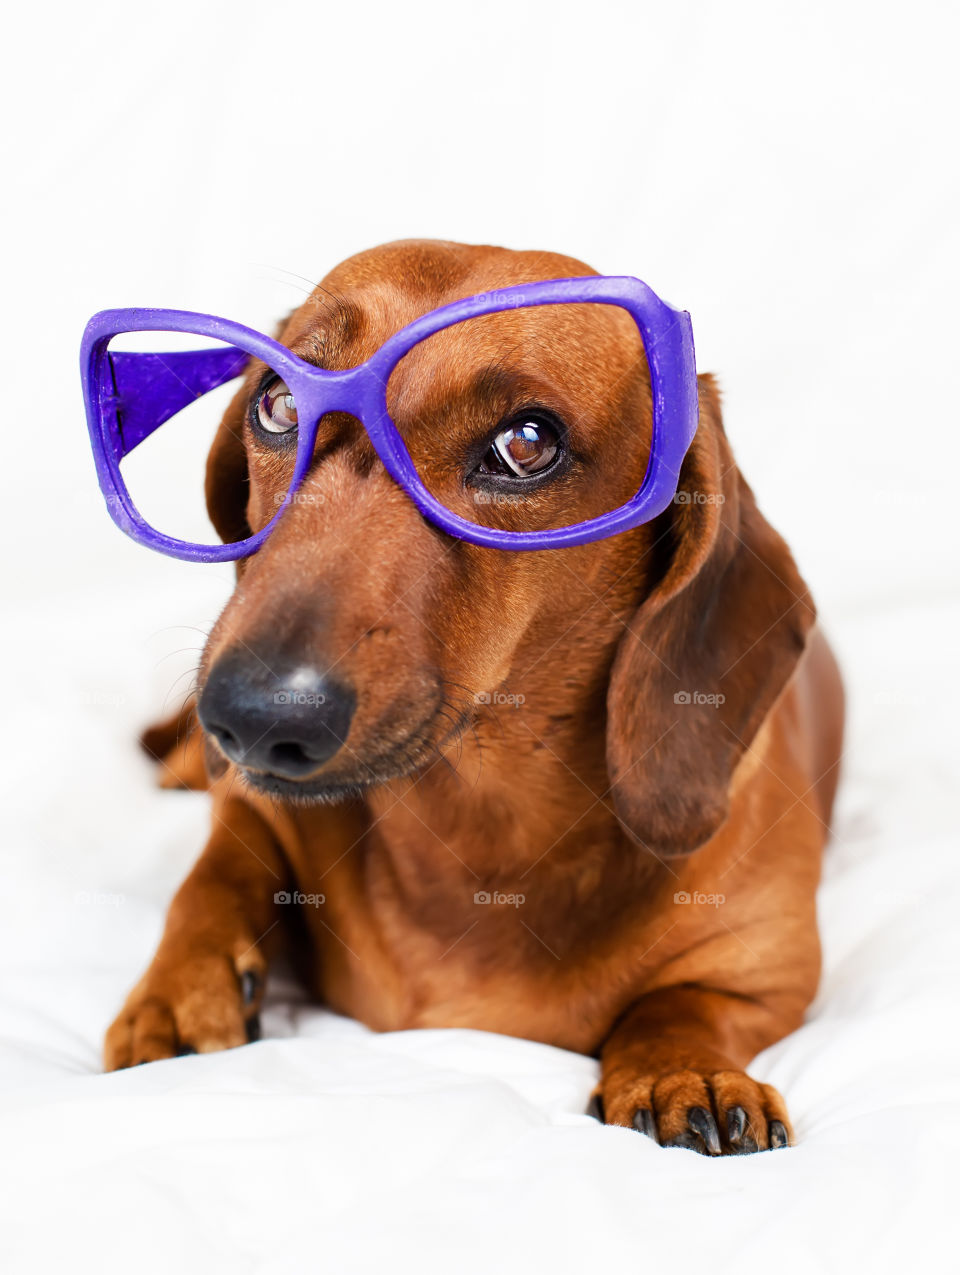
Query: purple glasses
(130, 394)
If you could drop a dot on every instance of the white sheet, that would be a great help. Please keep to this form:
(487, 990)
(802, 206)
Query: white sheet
(328, 1146)
(783, 173)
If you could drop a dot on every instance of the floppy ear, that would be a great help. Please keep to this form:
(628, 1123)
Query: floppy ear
(707, 654)
(227, 484)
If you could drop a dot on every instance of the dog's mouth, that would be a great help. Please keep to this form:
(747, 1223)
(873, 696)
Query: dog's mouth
(319, 791)
(325, 789)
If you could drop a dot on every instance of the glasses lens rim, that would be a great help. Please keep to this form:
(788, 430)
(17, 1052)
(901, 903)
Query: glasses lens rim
(160, 386)
(413, 473)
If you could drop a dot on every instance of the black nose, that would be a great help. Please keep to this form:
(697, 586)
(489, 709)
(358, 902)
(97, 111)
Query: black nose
(286, 721)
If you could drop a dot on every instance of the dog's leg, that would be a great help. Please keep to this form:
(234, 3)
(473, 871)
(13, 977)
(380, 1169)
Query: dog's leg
(673, 1069)
(204, 987)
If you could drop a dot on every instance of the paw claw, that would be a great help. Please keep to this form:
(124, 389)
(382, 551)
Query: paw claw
(778, 1135)
(739, 1137)
(249, 986)
(703, 1124)
(644, 1122)
(253, 1029)
(736, 1125)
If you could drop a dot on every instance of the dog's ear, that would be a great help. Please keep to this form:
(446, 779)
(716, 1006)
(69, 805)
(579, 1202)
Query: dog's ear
(707, 653)
(227, 484)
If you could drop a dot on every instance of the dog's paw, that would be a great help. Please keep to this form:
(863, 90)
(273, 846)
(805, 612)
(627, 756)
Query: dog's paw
(724, 1113)
(200, 1004)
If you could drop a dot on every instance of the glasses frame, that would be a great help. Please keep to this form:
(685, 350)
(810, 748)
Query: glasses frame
(129, 395)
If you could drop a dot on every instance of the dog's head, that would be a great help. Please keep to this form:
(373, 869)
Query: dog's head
(360, 639)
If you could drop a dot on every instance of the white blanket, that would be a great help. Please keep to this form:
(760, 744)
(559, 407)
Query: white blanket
(326, 1146)
(786, 174)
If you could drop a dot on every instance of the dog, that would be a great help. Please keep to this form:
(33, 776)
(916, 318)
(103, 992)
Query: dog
(582, 794)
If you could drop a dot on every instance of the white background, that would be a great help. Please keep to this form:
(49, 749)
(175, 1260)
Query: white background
(788, 174)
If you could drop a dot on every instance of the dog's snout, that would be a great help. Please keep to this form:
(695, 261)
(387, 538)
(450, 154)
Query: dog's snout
(283, 721)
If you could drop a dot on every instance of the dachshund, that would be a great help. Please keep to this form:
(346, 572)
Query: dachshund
(576, 795)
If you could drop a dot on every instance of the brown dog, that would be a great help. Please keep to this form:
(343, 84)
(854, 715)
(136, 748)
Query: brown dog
(582, 794)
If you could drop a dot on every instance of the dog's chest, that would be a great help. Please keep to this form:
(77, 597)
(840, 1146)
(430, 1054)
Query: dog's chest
(538, 954)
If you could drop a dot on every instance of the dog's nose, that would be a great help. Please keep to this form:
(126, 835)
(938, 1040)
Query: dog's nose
(287, 722)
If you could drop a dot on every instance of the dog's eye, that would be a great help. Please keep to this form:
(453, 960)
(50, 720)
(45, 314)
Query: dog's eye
(276, 410)
(522, 449)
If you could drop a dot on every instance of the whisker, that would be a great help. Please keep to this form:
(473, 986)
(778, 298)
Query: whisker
(191, 690)
(179, 651)
(170, 628)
